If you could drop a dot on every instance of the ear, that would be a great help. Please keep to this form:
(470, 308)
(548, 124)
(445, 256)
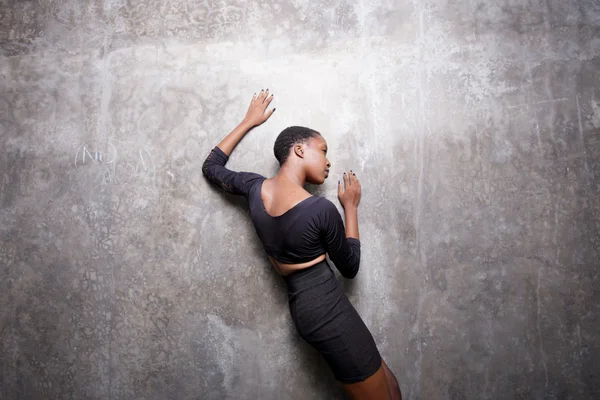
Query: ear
(299, 150)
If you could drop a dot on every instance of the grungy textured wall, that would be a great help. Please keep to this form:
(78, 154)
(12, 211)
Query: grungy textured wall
(473, 125)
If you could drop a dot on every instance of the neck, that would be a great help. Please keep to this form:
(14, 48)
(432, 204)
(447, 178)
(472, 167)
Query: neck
(288, 173)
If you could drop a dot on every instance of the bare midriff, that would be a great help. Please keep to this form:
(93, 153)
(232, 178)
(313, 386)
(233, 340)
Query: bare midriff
(286, 269)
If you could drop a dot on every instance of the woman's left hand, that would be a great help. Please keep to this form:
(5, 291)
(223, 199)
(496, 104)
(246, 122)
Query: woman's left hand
(256, 114)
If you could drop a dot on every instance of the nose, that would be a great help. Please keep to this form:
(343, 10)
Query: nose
(328, 164)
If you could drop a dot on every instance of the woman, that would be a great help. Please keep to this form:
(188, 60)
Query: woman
(297, 230)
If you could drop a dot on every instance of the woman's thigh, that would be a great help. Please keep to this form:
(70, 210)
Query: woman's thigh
(326, 319)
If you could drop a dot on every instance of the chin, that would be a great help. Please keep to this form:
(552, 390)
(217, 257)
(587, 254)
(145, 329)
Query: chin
(316, 181)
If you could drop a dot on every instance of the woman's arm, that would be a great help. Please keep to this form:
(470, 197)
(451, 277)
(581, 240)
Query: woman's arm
(349, 194)
(343, 244)
(351, 221)
(254, 116)
(214, 165)
(233, 138)
(343, 250)
(231, 181)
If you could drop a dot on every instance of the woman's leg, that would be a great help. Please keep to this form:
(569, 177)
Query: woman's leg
(374, 387)
(392, 383)
(381, 385)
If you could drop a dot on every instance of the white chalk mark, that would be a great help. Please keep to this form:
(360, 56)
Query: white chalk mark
(542, 353)
(420, 153)
(116, 153)
(582, 141)
(130, 166)
(106, 94)
(83, 156)
(419, 148)
(537, 132)
(142, 158)
(88, 153)
(76, 154)
(127, 165)
(153, 168)
(528, 104)
(537, 103)
(555, 232)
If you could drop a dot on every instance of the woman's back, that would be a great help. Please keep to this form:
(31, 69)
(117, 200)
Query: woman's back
(302, 233)
(280, 197)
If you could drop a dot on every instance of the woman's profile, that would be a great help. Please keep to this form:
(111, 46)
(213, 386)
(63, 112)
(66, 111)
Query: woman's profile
(297, 230)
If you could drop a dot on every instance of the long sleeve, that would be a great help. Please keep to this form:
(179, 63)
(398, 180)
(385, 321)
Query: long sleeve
(231, 181)
(343, 251)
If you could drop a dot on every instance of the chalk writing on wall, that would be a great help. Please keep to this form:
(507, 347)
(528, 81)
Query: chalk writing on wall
(118, 161)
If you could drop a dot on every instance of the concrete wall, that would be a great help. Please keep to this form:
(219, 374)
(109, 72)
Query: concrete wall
(473, 125)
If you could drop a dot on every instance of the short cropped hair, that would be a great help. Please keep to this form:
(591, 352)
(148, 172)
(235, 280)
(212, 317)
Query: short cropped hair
(288, 138)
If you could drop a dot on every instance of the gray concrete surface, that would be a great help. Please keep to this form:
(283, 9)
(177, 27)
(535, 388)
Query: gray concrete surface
(473, 125)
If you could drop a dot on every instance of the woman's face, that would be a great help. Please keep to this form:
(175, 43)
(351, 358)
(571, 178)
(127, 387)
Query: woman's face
(315, 159)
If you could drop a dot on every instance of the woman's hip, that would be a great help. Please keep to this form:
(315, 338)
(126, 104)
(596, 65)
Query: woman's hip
(325, 318)
(308, 278)
(322, 309)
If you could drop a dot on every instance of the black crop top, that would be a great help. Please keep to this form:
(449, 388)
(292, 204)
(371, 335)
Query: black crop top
(309, 229)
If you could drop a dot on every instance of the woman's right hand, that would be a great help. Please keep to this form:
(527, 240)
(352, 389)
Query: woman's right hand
(256, 114)
(349, 190)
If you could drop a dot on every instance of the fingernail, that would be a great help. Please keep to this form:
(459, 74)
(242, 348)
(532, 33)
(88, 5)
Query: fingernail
(274, 109)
